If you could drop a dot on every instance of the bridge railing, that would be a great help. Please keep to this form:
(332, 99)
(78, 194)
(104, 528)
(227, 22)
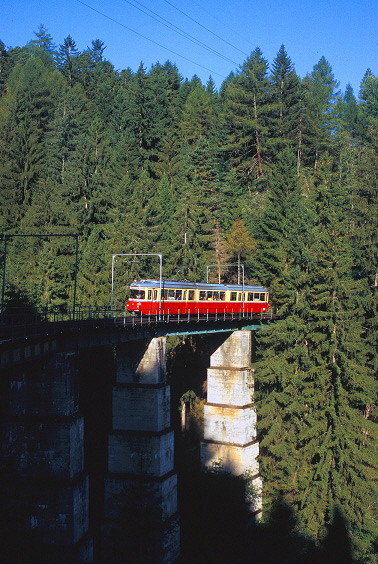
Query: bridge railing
(25, 315)
(16, 323)
(178, 317)
(21, 315)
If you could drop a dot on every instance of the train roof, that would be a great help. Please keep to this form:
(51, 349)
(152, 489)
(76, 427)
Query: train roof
(174, 284)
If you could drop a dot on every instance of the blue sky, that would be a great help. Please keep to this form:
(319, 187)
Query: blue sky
(222, 32)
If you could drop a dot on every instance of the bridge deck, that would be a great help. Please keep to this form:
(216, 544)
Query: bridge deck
(98, 327)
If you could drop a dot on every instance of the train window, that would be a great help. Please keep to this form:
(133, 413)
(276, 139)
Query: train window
(233, 296)
(191, 295)
(222, 295)
(250, 297)
(184, 295)
(168, 295)
(149, 295)
(178, 295)
(216, 296)
(202, 295)
(256, 297)
(155, 295)
(262, 297)
(239, 296)
(137, 294)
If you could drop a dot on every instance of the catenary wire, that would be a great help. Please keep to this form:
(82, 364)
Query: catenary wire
(204, 27)
(148, 39)
(223, 24)
(176, 29)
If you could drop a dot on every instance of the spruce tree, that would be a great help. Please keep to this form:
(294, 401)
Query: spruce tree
(282, 262)
(339, 437)
(245, 117)
(316, 383)
(319, 96)
(280, 219)
(26, 113)
(67, 61)
(284, 115)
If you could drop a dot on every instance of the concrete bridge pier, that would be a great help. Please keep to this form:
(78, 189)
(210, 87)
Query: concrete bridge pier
(230, 438)
(45, 490)
(140, 508)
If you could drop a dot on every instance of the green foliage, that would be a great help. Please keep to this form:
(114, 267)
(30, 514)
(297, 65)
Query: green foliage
(273, 170)
(316, 384)
(285, 106)
(245, 117)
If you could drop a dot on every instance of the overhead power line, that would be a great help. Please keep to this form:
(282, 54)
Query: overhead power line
(176, 29)
(202, 7)
(148, 38)
(204, 27)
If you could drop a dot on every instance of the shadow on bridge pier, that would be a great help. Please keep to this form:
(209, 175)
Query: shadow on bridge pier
(86, 422)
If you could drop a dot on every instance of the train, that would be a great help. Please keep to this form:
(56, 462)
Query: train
(172, 297)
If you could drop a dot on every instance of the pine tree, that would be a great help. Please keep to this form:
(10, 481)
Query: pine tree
(285, 103)
(315, 381)
(67, 60)
(198, 116)
(282, 217)
(346, 462)
(26, 113)
(245, 113)
(319, 96)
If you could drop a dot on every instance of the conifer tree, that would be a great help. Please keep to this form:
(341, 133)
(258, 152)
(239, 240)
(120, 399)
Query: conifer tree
(193, 218)
(222, 255)
(282, 262)
(43, 41)
(364, 225)
(344, 470)
(316, 383)
(26, 113)
(245, 114)
(369, 96)
(319, 97)
(94, 278)
(5, 66)
(198, 116)
(67, 60)
(285, 103)
(279, 220)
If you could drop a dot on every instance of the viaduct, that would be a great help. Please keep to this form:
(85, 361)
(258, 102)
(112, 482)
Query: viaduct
(47, 492)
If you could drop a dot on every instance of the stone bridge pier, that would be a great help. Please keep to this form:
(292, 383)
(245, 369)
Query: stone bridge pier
(45, 492)
(230, 438)
(45, 484)
(141, 486)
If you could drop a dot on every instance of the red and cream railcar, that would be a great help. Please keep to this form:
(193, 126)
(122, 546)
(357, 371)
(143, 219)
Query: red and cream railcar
(174, 298)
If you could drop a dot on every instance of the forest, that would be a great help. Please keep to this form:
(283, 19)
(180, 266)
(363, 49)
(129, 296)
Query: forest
(273, 170)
